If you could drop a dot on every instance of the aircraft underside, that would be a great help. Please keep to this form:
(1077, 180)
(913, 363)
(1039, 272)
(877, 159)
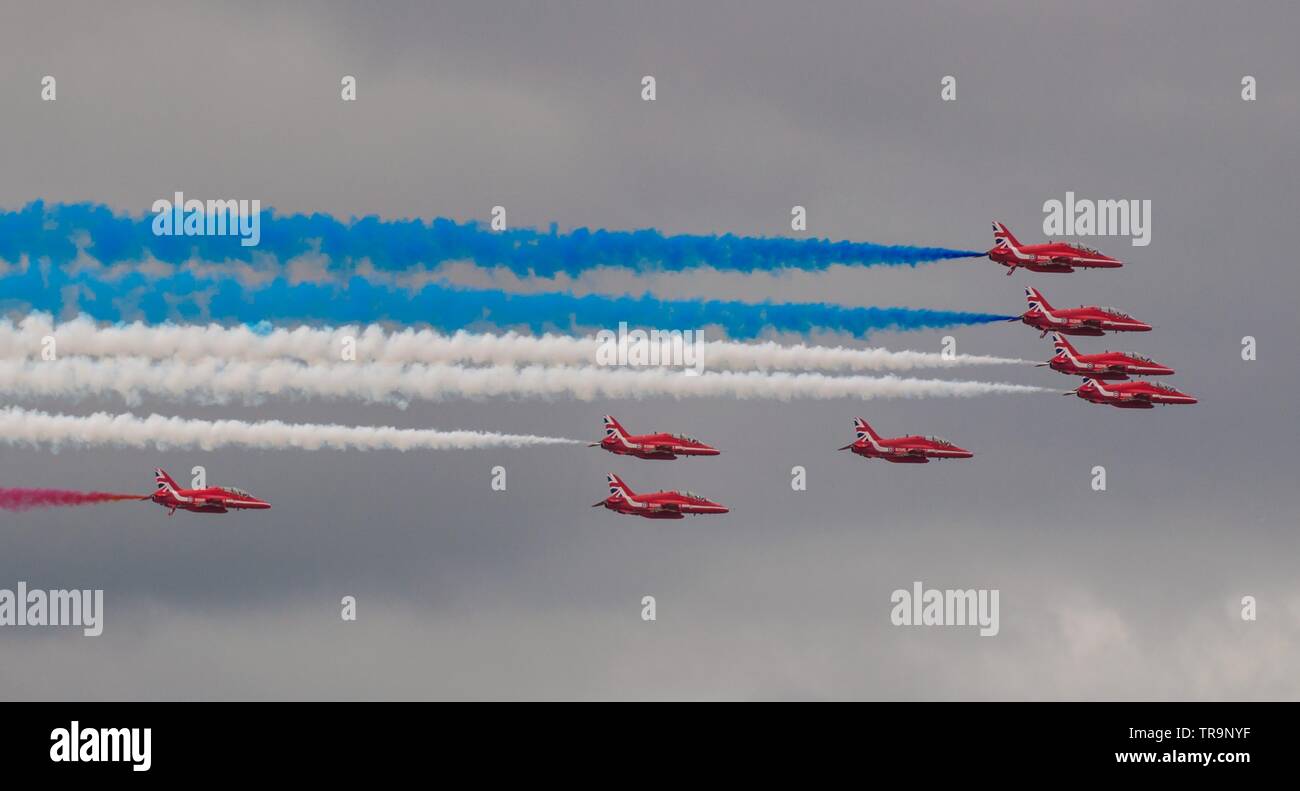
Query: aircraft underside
(896, 459)
(1133, 404)
(1129, 404)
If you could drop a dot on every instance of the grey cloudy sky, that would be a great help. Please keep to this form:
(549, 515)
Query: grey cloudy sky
(467, 593)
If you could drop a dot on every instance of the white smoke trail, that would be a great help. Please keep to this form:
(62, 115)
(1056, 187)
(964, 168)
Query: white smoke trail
(28, 427)
(82, 336)
(217, 381)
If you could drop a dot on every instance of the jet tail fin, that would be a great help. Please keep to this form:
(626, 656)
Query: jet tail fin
(1062, 345)
(1035, 299)
(863, 429)
(614, 429)
(617, 488)
(1003, 237)
(164, 480)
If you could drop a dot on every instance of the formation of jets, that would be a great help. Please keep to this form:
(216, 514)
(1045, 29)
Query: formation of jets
(1107, 374)
(913, 449)
(1106, 381)
(209, 500)
(658, 445)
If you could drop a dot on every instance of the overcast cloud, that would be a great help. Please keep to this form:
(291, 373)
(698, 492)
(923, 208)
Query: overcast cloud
(530, 593)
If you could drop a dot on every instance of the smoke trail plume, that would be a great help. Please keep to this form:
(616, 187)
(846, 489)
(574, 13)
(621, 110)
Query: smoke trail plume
(29, 427)
(39, 230)
(217, 381)
(372, 343)
(185, 297)
(27, 499)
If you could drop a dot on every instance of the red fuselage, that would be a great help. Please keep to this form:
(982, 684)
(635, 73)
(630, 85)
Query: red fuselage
(914, 449)
(656, 505)
(209, 500)
(1082, 321)
(1130, 395)
(656, 446)
(650, 446)
(1107, 365)
(212, 500)
(1087, 320)
(1049, 257)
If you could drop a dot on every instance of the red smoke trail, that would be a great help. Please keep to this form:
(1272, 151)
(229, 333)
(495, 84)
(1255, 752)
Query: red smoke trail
(27, 499)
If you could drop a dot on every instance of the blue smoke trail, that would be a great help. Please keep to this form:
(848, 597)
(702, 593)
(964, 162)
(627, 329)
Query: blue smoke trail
(184, 298)
(42, 231)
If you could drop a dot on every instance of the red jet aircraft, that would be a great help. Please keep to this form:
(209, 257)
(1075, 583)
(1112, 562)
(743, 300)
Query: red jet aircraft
(1107, 365)
(649, 446)
(1129, 395)
(659, 505)
(1050, 257)
(902, 450)
(1089, 320)
(212, 500)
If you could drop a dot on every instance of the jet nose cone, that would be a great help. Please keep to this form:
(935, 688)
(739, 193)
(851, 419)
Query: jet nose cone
(708, 451)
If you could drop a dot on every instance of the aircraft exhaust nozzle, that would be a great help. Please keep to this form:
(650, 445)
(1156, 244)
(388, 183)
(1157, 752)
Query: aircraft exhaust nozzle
(597, 505)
